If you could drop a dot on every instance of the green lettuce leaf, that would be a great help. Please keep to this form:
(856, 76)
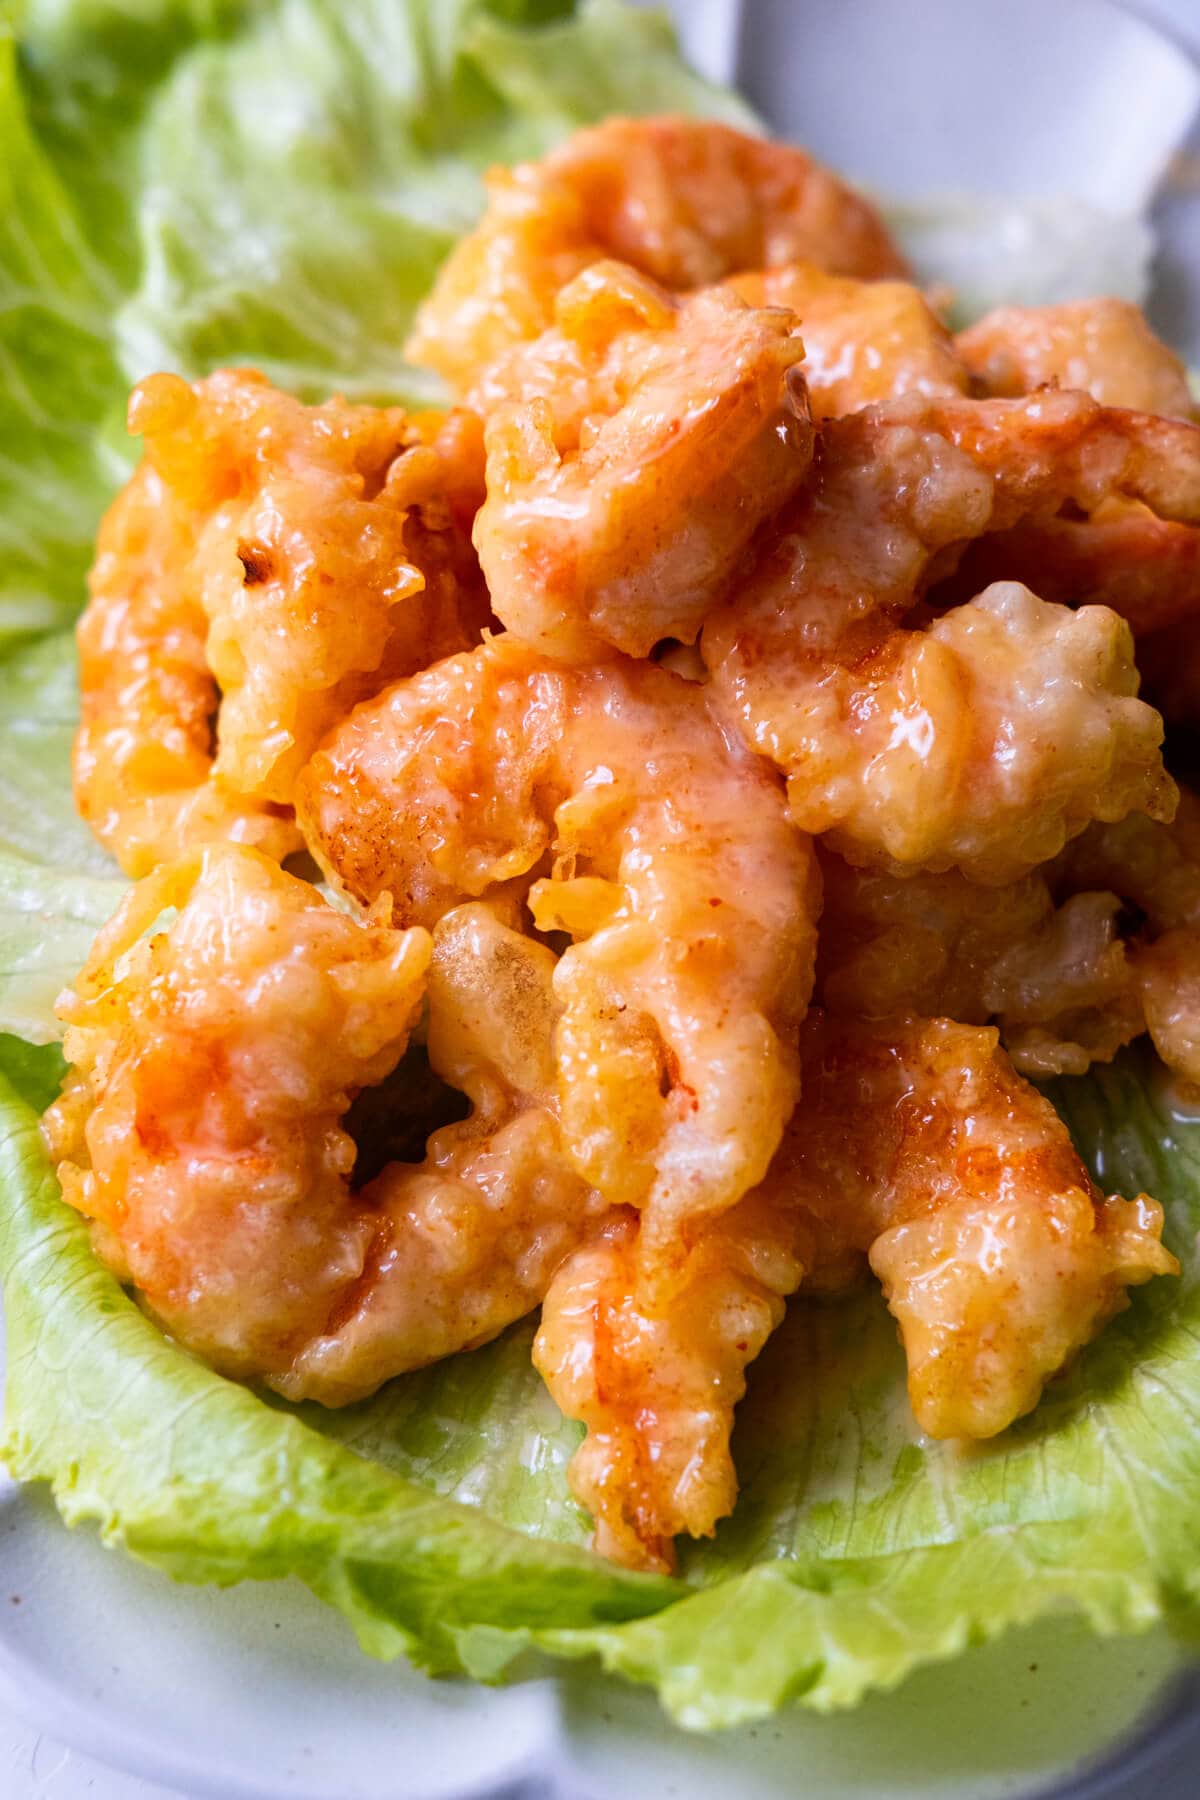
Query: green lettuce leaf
(57, 887)
(39, 710)
(436, 1517)
(59, 379)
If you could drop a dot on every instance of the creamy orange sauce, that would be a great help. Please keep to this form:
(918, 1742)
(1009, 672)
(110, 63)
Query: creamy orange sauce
(733, 582)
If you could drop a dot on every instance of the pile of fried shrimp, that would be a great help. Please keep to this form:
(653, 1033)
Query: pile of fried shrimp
(720, 733)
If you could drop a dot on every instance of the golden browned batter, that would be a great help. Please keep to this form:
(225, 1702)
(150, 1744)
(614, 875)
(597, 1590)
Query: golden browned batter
(734, 588)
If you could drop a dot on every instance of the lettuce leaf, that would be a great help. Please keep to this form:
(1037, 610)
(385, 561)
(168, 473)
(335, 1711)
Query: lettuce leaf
(59, 379)
(435, 1517)
(57, 886)
(192, 182)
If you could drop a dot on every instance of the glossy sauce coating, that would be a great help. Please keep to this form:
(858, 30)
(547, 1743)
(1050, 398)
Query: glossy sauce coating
(685, 201)
(1054, 973)
(202, 1131)
(865, 342)
(657, 1386)
(988, 738)
(1101, 347)
(665, 853)
(1145, 568)
(632, 451)
(268, 565)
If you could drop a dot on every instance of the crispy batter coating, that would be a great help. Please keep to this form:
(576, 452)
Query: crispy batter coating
(686, 201)
(916, 1141)
(468, 1239)
(1103, 347)
(864, 341)
(268, 565)
(643, 441)
(986, 740)
(668, 859)
(1055, 977)
(201, 1129)
(657, 1389)
(1072, 962)
(1146, 569)
(1156, 868)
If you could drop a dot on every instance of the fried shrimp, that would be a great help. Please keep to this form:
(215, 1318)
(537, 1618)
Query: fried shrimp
(666, 855)
(864, 341)
(468, 1239)
(657, 1390)
(986, 740)
(914, 1141)
(201, 1130)
(1103, 347)
(643, 442)
(1155, 868)
(1072, 962)
(685, 201)
(917, 1142)
(1144, 568)
(267, 566)
(1054, 975)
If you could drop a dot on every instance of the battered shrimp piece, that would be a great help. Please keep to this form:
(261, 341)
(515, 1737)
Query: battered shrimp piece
(269, 565)
(143, 754)
(657, 1390)
(201, 1127)
(864, 341)
(210, 1064)
(1144, 568)
(986, 740)
(1156, 868)
(468, 1239)
(686, 201)
(666, 855)
(916, 1141)
(1072, 962)
(632, 450)
(1104, 347)
(1056, 978)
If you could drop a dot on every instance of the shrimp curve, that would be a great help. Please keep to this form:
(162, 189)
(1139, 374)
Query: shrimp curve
(685, 201)
(662, 849)
(987, 739)
(201, 1129)
(268, 565)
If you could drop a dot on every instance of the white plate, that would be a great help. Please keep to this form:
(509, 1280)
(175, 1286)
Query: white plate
(260, 1692)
